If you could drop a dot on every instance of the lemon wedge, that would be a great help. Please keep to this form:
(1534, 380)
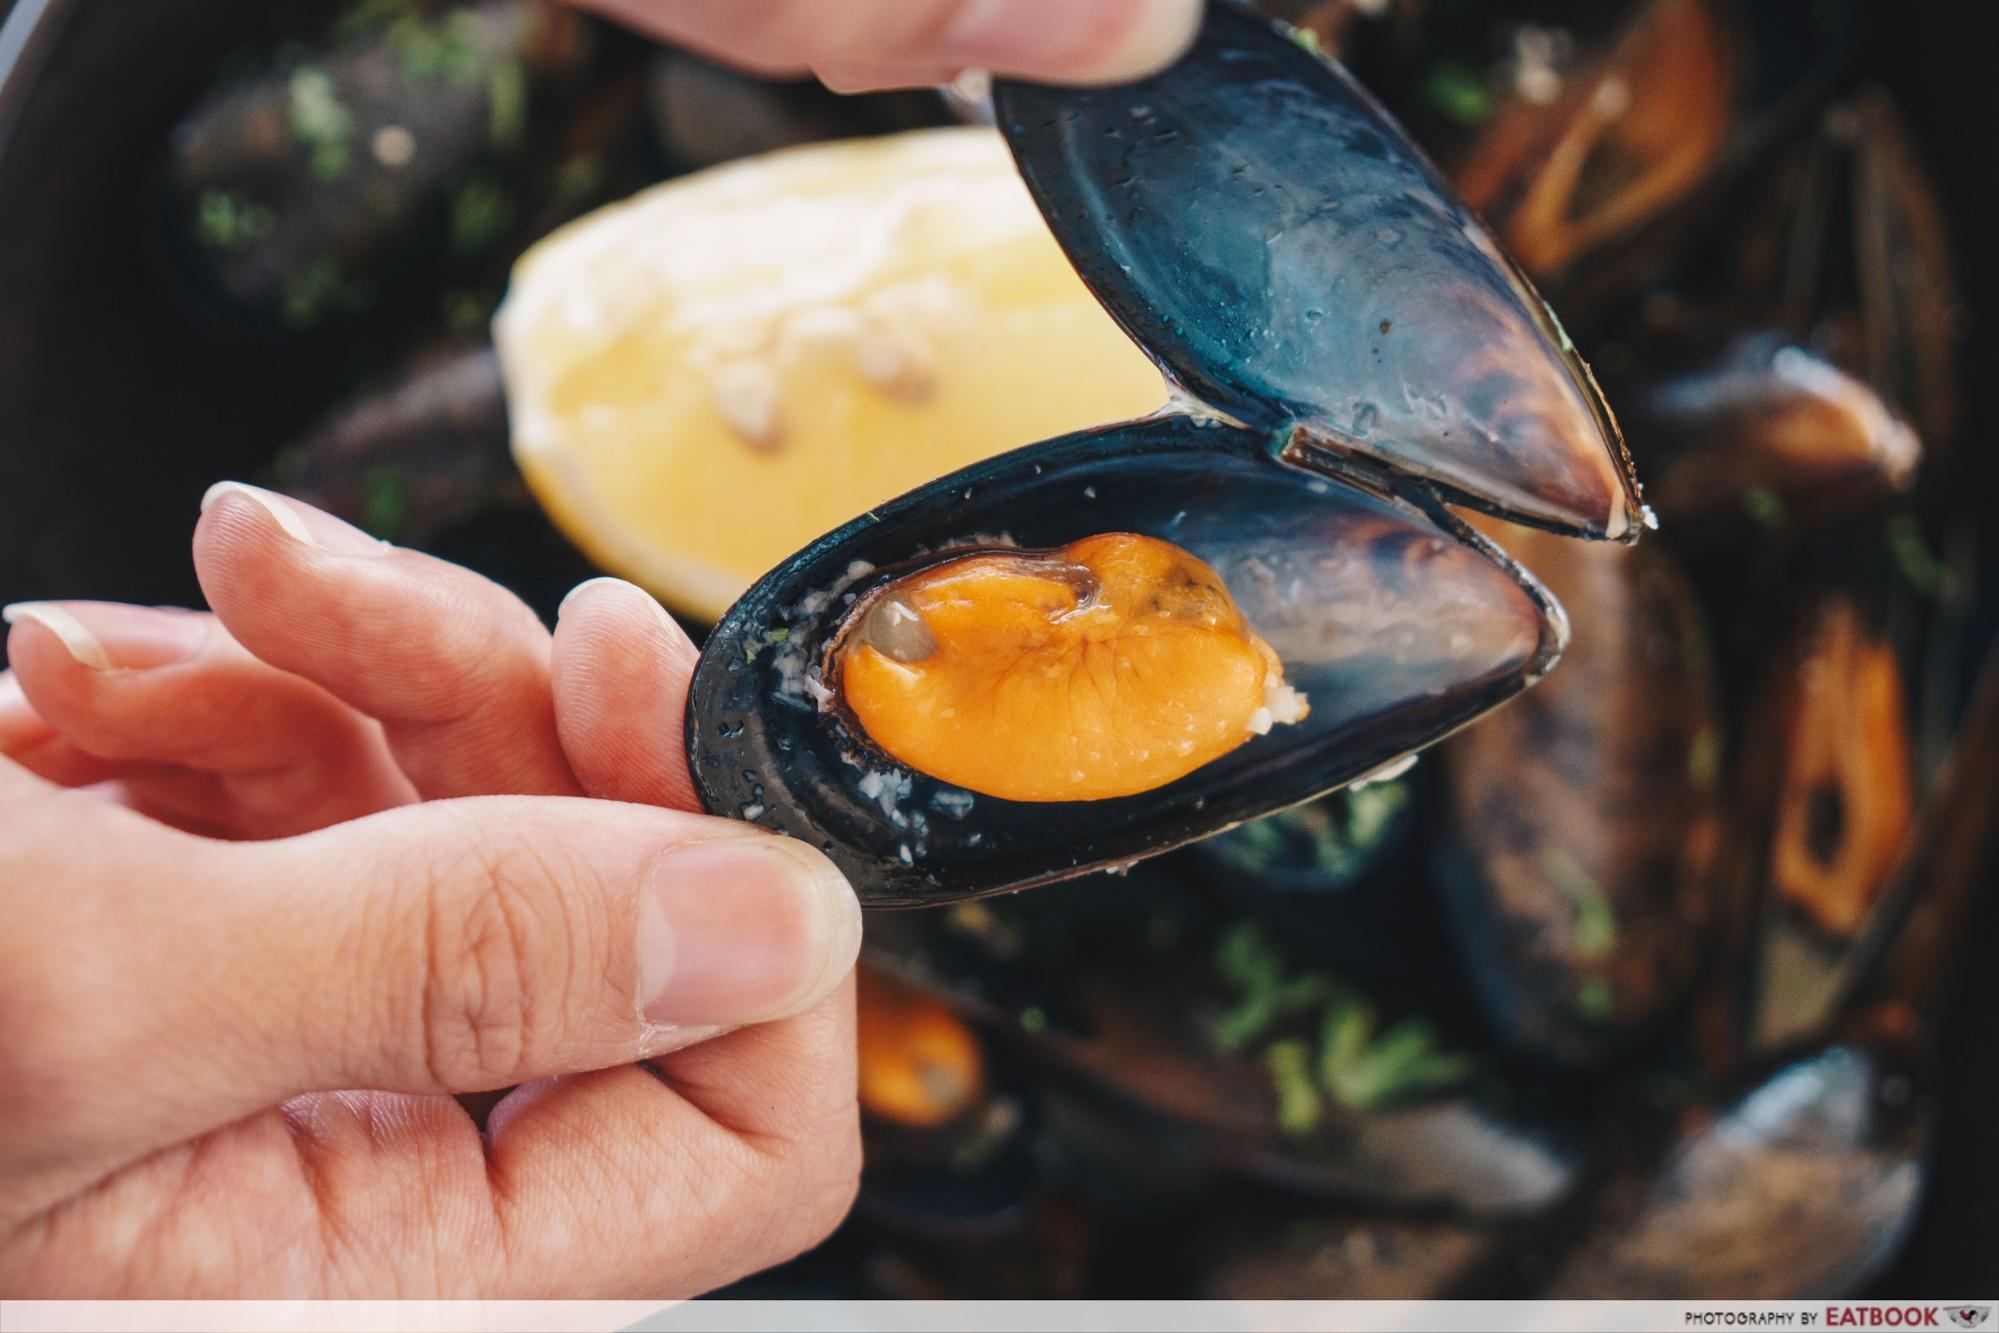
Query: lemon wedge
(707, 376)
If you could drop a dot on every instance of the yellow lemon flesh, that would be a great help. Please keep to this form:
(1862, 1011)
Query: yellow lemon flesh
(1112, 666)
(707, 376)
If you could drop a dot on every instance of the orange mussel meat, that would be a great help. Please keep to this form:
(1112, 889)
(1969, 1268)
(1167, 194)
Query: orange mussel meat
(1109, 667)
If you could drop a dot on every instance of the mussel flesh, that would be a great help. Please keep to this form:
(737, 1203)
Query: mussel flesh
(948, 1138)
(1845, 789)
(952, 670)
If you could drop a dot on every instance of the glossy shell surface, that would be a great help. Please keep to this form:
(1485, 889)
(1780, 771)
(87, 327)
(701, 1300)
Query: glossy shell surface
(1260, 225)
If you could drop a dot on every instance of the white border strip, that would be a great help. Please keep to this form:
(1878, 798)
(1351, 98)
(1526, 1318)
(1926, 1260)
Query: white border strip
(981, 1317)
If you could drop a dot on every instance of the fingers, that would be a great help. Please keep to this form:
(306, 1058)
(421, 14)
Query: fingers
(195, 728)
(741, 1153)
(621, 670)
(503, 940)
(869, 76)
(455, 667)
(1068, 41)
(18, 783)
(448, 947)
(27, 739)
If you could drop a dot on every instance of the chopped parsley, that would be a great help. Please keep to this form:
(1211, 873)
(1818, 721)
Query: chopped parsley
(1457, 94)
(1354, 1063)
(320, 121)
(385, 502)
(229, 221)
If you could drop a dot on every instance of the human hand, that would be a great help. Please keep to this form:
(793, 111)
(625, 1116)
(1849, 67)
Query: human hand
(416, 903)
(856, 44)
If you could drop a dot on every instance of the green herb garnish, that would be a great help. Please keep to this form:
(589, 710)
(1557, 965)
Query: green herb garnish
(1363, 1071)
(1594, 998)
(1595, 930)
(506, 103)
(1763, 505)
(1339, 836)
(229, 221)
(1356, 1066)
(1912, 555)
(385, 502)
(1289, 1064)
(481, 214)
(1254, 969)
(1457, 94)
(433, 53)
(311, 292)
(320, 121)
(369, 18)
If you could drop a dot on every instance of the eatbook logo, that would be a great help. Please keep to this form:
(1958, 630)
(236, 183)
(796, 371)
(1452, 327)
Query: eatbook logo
(1970, 1316)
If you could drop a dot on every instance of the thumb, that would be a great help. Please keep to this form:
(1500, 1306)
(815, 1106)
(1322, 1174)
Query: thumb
(461, 946)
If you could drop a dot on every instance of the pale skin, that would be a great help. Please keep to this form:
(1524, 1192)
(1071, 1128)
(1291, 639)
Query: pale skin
(363, 935)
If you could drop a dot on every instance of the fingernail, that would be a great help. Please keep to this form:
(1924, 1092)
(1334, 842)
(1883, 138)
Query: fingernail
(743, 930)
(301, 522)
(1072, 40)
(111, 636)
(630, 591)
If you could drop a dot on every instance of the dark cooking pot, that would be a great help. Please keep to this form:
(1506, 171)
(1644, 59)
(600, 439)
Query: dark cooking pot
(117, 409)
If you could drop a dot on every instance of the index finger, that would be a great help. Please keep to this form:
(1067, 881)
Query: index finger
(1057, 41)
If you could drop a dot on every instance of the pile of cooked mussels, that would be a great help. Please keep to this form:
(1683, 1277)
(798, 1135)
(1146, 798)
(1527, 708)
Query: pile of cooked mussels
(1431, 536)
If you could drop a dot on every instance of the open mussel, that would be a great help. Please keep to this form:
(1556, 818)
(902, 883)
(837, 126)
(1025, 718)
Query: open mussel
(1119, 641)
(948, 1137)
(1833, 778)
